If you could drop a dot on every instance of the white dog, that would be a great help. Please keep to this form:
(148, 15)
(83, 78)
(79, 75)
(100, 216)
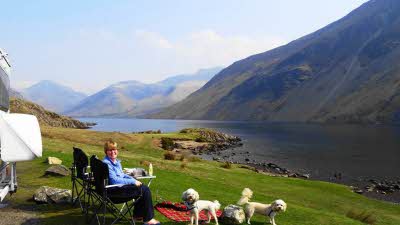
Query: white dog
(269, 210)
(191, 199)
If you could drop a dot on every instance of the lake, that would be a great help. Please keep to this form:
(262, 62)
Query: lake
(358, 152)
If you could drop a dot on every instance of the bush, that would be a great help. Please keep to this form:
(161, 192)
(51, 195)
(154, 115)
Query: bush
(145, 163)
(194, 159)
(227, 165)
(184, 164)
(201, 139)
(169, 156)
(363, 216)
(167, 143)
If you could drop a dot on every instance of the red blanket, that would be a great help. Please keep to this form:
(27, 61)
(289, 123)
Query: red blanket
(178, 211)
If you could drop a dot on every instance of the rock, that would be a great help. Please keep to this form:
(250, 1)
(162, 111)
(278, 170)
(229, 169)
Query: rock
(359, 191)
(57, 170)
(54, 161)
(52, 195)
(306, 176)
(233, 215)
(293, 175)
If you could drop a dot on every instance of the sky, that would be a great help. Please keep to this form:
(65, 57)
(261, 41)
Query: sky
(91, 44)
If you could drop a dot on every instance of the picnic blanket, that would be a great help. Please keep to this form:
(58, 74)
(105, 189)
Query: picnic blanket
(178, 212)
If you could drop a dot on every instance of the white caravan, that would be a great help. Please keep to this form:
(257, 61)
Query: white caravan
(20, 137)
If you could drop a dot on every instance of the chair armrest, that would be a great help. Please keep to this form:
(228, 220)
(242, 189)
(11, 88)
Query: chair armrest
(145, 177)
(114, 185)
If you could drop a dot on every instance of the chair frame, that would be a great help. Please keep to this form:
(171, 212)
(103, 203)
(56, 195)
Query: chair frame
(80, 177)
(101, 201)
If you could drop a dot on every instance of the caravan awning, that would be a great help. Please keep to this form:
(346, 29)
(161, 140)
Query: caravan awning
(20, 137)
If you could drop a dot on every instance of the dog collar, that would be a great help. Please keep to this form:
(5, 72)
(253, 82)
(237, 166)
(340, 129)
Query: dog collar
(190, 206)
(270, 212)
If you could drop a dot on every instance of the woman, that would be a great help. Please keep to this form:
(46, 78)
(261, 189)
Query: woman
(144, 205)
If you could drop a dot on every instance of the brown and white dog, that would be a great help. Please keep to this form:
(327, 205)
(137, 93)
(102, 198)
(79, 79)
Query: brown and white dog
(191, 199)
(269, 210)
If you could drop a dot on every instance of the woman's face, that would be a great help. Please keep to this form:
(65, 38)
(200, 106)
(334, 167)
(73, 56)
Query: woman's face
(112, 153)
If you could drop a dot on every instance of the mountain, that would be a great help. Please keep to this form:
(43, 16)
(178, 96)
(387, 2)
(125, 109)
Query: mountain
(345, 72)
(45, 117)
(133, 98)
(52, 96)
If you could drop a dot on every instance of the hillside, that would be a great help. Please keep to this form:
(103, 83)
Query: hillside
(53, 96)
(45, 118)
(347, 71)
(133, 98)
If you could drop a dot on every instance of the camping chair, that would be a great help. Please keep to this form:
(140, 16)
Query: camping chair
(105, 198)
(80, 179)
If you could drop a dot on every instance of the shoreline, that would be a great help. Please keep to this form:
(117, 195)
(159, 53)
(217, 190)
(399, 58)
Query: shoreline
(362, 186)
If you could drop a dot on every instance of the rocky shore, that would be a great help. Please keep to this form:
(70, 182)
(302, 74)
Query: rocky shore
(217, 146)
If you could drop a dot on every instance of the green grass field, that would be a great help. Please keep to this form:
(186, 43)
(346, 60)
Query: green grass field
(309, 202)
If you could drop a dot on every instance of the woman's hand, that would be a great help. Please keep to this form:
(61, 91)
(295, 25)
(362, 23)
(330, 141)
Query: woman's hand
(138, 183)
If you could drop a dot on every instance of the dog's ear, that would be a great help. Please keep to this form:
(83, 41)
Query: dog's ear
(184, 196)
(196, 195)
(284, 206)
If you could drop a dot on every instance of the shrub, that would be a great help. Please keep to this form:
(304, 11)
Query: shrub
(194, 159)
(144, 163)
(167, 143)
(169, 156)
(201, 139)
(227, 165)
(363, 216)
(184, 164)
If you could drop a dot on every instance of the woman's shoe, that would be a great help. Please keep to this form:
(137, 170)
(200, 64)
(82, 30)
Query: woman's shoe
(152, 222)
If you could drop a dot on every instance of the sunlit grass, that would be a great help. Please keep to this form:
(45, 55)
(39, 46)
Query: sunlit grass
(309, 202)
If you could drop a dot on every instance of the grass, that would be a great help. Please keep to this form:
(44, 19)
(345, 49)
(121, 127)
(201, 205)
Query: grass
(309, 202)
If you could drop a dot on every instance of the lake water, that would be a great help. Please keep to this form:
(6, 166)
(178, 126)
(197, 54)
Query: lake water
(356, 151)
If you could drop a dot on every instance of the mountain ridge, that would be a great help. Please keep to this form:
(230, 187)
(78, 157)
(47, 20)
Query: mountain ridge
(134, 98)
(316, 78)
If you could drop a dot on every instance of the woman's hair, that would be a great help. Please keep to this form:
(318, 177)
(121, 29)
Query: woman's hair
(110, 144)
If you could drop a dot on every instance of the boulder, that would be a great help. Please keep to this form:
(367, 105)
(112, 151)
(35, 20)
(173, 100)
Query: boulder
(233, 214)
(52, 195)
(54, 161)
(57, 170)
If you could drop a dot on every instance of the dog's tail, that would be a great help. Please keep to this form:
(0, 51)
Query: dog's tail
(246, 195)
(217, 204)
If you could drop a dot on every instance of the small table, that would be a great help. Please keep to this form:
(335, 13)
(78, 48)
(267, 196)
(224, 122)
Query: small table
(146, 177)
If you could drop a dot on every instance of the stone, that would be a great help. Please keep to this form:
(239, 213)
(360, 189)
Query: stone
(51, 195)
(57, 170)
(306, 176)
(233, 214)
(54, 161)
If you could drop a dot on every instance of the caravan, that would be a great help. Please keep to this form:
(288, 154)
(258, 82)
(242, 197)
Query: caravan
(20, 137)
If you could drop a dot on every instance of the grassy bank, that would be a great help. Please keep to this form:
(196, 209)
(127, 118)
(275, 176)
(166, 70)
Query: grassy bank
(309, 202)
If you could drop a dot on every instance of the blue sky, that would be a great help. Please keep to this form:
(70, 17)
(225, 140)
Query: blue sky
(90, 44)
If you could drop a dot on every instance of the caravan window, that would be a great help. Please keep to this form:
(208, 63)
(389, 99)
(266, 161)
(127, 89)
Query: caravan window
(4, 91)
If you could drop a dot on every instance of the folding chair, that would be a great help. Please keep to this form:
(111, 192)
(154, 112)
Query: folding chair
(80, 179)
(105, 198)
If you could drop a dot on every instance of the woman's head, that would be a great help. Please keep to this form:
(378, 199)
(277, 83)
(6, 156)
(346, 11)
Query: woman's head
(110, 149)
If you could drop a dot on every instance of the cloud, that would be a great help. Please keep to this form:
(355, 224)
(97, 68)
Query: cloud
(91, 59)
(206, 48)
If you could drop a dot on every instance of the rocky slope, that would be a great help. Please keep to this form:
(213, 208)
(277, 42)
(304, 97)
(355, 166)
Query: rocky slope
(46, 118)
(345, 72)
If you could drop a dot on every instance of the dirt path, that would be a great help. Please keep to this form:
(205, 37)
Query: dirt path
(9, 215)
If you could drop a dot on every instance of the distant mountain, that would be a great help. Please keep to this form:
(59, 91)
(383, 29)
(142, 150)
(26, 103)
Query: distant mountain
(133, 98)
(52, 96)
(348, 71)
